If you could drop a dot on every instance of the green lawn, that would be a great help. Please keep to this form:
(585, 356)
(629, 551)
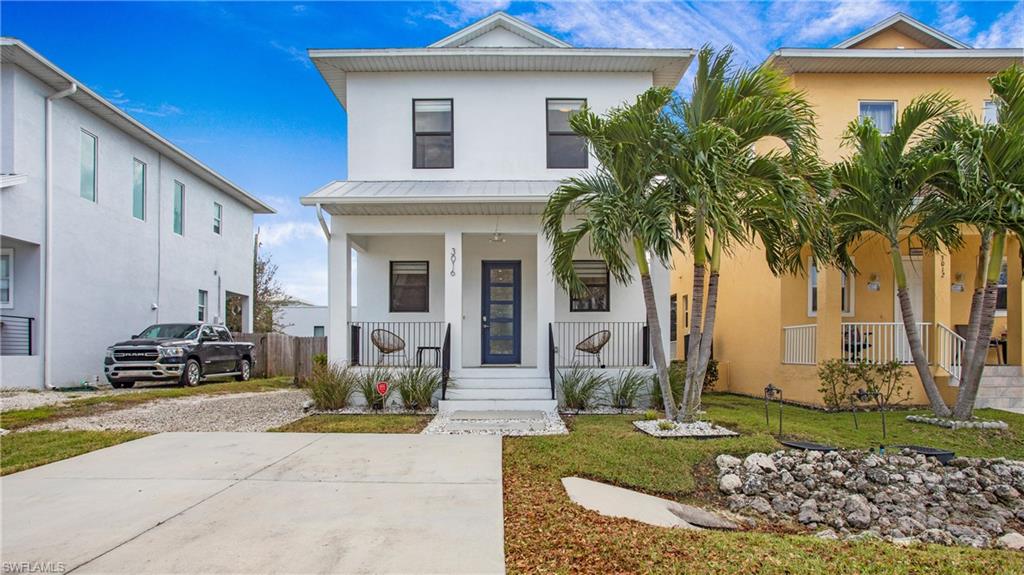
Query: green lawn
(90, 405)
(546, 533)
(359, 424)
(20, 451)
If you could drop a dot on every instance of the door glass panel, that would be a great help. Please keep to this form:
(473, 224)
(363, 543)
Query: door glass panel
(501, 346)
(503, 328)
(501, 311)
(502, 293)
(501, 275)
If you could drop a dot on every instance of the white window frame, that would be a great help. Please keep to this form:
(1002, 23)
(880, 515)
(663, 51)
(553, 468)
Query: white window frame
(95, 167)
(323, 330)
(895, 110)
(984, 107)
(174, 197)
(9, 304)
(203, 308)
(218, 218)
(812, 273)
(145, 170)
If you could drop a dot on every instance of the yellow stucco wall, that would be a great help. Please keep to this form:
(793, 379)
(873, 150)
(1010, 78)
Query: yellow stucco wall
(754, 305)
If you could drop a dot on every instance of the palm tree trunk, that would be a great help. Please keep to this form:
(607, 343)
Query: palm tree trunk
(686, 412)
(977, 298)
(707, 334)
(914, 338)
(971, 381)
(654, 325)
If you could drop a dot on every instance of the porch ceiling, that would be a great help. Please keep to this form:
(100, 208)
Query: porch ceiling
(464, 197)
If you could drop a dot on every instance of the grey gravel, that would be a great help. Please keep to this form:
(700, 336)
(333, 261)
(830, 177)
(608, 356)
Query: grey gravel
(258, 411)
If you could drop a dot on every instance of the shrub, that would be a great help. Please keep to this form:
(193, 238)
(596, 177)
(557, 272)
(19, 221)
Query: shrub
(580, 386)
(368, 387)
(838, 380)
(651, 415)
(666, 425)
(417, 386)
(623, 390)
(887, 379)
(676, 380)
(319, 359)
(331, 386)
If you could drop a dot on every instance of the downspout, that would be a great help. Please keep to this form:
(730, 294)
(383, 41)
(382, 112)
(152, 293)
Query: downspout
(48, 231)
(323, 222)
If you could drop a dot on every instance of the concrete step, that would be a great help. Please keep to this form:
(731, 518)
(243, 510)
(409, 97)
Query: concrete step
(461, 392)
(498, 372)
(1016, 391)
(1003, 371)
(495, 383)
(1000, 402)
(498, 405)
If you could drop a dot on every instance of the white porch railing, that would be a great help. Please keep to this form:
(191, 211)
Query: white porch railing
(950, 348)
(799, 344)
(881, 342)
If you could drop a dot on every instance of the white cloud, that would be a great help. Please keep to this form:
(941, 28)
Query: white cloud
(1007, 31)
(952, 22)
(294, 54)
(119, 99)
(279, 233)
(306, 282)
(465, 11)
(844, 17)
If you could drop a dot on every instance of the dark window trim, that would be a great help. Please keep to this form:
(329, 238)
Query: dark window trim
(548, 132)
(451, 102)
(673, 304)
(608, 282)
(391, 285)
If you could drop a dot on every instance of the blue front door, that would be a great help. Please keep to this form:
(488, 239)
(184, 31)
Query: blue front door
(500, 323)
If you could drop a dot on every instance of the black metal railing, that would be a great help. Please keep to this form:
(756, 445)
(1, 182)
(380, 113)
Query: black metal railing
(575, 343)
(397, 343)
(551, 358)
(446, 360)
(16, 335)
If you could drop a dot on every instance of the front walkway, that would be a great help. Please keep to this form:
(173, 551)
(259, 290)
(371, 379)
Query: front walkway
(262, 502)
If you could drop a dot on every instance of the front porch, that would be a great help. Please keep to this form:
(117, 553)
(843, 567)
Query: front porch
(474, 297)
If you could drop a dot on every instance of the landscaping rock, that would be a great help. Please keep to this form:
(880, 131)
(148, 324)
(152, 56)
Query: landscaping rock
(1011, 540)
(900, 496)
(726, 462)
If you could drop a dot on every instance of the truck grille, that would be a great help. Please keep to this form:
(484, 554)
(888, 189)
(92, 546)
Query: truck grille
(136, 355)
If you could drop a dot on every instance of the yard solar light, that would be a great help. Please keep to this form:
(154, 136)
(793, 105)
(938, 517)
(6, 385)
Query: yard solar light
(770, 391)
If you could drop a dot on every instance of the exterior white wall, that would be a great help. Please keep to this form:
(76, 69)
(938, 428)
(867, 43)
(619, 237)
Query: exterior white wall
(499, 120)
(109, 268)
(373, 278)
(299, 320)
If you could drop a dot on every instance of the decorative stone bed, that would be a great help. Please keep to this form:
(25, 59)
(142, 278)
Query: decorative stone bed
(903, 497)
(954, 424)
(698, 429)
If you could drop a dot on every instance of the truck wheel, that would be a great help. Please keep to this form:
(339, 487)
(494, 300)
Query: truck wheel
(127, 384)
(116, 384)
(193, 373)
(244, 370)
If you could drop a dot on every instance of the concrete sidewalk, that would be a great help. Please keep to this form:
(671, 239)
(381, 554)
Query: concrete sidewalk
(263, 502)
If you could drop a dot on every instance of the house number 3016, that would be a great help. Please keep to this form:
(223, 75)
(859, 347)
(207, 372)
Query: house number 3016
(452, 258)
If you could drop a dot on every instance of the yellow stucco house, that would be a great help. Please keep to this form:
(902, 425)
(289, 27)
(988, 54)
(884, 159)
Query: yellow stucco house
(777, 329)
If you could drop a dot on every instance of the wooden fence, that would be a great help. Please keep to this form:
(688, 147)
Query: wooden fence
(280, 355)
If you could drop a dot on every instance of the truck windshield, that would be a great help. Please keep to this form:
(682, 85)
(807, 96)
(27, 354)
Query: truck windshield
(170, 331)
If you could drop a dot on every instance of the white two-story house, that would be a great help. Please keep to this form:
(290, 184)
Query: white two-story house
(453, 151)
(105, 228)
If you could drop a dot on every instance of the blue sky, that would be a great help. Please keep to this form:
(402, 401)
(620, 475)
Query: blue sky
(231, 84)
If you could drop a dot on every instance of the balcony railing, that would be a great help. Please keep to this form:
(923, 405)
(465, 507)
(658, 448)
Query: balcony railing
(881, 342)
(16, 335)
(799, 344)
(950, 348)
(397, 343)
(600, 343)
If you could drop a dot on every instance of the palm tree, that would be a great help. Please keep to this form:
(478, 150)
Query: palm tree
(884, 190)
(986, 177)
(728, 195)
(624, 209)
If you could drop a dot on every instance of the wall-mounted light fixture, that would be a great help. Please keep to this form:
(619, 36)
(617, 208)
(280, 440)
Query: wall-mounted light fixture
(873, 284)
(958, 285)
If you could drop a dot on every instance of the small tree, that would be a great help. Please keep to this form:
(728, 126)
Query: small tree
(268, 295)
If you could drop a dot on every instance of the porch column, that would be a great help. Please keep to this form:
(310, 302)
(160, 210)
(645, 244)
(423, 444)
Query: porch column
(937, 290)
(546, 291)
(1014, 304)
(453, 278)
(339, 294)
(828, 339)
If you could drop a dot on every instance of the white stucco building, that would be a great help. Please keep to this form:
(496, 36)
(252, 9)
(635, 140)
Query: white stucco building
(106, 228)
(303, 320)
(453, 151)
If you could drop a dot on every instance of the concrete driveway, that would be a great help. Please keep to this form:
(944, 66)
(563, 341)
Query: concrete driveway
(262, 502)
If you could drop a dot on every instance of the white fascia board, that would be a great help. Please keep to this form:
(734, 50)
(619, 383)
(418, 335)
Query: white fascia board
(513, 24)
(343, 54)
(901, 17)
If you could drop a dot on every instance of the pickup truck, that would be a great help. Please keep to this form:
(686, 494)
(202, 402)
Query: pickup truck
(184, 352)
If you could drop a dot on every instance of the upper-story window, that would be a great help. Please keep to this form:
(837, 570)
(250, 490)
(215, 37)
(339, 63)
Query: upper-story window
(218, 217)
(882, 114)
(87, 188)
(6, 277)
(565, 148)
(139, 190)
(990, 113)
(433, 137)
(179, 208)
(594, 275)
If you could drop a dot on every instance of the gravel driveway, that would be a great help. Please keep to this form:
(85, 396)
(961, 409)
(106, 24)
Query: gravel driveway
(237, 412)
